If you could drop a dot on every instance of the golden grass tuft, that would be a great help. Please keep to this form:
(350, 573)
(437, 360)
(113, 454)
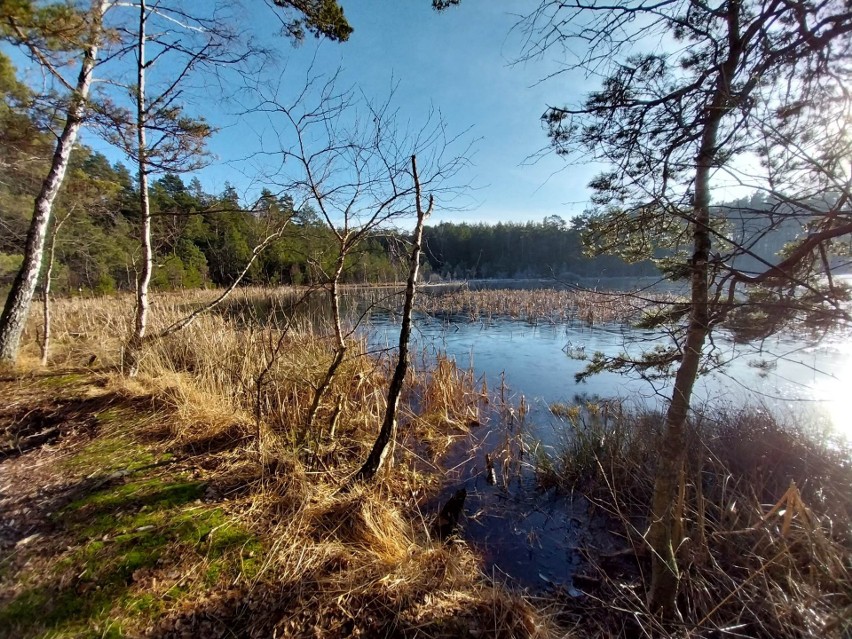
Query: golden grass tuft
(364, 522)
(758, 554)
(231, 395)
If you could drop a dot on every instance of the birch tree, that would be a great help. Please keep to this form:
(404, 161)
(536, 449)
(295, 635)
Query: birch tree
(157, 134)
(47, 35)
(55, 33)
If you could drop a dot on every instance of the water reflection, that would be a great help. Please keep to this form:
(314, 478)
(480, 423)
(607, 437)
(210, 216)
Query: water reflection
(540, 361)
(835, 391)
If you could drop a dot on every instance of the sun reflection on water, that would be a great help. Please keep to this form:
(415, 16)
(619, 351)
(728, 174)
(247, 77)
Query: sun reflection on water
(836, 392)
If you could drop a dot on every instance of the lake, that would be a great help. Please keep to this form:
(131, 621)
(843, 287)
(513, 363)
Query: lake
(536, 538)
(539, 362)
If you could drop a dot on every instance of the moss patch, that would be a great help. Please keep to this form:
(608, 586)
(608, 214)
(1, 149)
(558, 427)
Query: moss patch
(135, 541)
(116, 447)
(130, 537)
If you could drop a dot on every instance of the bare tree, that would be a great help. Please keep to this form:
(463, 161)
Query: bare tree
(47, 32)
(350, 159)
(387, 434)
(160, 137)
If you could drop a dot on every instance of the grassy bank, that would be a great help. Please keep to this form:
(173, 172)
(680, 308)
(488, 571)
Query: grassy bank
(191, 500)
(765, 506)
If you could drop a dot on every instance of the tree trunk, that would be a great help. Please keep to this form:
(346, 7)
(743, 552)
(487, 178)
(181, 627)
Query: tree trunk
(48, 275)
(387, 434)
(19, 301)
(340, 348)
(143, 282)
(664, 570)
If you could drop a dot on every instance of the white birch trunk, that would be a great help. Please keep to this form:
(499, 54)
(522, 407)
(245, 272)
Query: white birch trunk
(48, 277)
(19, 301)
(143, 282)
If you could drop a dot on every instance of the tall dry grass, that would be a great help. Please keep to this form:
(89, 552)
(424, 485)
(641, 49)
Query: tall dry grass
(764, 512)
(238, 384)
(541, 305)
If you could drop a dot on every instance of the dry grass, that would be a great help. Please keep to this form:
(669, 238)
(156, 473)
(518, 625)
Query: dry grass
(542, 305)
(232, 393)
(765, 508)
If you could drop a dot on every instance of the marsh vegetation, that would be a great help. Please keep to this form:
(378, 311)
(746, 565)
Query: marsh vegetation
(210, 428)
(199, 475)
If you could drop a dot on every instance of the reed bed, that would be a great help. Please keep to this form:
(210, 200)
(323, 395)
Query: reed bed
(762, 555)
(542, 305)
(765, 515)
(236, 386)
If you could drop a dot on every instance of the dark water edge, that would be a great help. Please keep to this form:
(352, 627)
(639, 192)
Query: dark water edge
(528, 537)
(539, 539)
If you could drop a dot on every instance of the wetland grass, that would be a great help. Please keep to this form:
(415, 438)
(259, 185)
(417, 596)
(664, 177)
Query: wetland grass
(248, 529)
(541, 305)
(765, 543)
(260, 541)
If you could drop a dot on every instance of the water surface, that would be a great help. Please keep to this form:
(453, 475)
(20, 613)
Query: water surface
(537, 538)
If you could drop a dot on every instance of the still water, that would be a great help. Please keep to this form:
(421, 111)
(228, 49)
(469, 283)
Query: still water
(539, 362)
(538, 539)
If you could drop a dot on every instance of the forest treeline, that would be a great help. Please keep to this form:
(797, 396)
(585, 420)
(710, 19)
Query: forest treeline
(205, 239)
(550, 248)
(201, 239)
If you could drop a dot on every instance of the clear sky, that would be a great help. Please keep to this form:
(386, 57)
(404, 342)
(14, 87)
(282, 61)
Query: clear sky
(459, 62)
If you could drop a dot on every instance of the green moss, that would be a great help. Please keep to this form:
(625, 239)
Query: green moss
(123, 528)
(64, 381)
(143, 605)
(213, 573)
(52, 613)
(114, 450)
(104, 571)
(149, 493)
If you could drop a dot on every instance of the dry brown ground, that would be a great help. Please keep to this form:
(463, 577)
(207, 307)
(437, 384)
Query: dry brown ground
(110, 526)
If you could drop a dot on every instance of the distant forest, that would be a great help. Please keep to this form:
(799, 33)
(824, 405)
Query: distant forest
(201, 239)
(514, 250)
(205, 239)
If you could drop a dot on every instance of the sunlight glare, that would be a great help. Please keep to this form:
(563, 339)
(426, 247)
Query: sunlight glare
(836, 393)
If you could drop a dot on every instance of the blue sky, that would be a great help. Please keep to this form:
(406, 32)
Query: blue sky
(459, 62)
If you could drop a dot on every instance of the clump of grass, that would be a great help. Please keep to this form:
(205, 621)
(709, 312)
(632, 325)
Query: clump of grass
(570, 412)
(542, 305)
(449, 393)
(764, 512)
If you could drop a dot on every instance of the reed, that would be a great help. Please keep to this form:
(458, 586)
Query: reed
(765, 508)
(541, 305)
